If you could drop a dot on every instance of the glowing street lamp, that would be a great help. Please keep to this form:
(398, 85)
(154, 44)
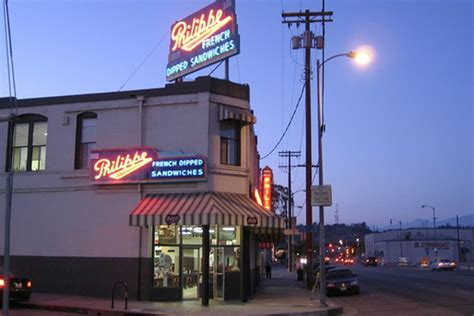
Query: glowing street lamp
(361, 57)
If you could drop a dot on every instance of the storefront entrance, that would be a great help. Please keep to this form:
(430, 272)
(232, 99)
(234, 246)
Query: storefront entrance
(178, 262)
(217, 276)
(192, 271)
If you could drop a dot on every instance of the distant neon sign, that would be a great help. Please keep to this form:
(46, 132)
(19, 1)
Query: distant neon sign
(267, 187)
(203, 38)
(137, 165)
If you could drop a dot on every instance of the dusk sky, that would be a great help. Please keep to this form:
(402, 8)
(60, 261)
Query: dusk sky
(399, 131)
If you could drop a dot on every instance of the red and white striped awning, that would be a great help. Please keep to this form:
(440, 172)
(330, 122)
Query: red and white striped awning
(206, 208)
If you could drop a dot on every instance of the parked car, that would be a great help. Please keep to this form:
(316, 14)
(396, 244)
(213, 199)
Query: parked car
(327, 268)
(371, 261)
(424, 262)
(341, 281)
(402, 262)
(442, 264)
(20, 288)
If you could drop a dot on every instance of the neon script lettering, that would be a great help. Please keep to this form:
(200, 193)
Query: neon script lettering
(121, 166)
(189, 36)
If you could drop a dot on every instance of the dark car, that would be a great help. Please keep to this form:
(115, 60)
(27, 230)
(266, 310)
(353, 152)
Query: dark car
(326, 268)
(20, 288)
(370, 261)
(341, 281)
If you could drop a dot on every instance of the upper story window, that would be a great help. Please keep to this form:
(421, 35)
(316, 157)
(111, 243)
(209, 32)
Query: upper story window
(27, 150)
(86, 138)
(230, 142)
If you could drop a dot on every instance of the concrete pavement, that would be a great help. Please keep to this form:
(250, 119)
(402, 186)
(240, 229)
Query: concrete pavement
(281, 295)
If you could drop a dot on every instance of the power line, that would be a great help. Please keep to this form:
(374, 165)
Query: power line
(215, 68)
(143, 62)
(288, 126)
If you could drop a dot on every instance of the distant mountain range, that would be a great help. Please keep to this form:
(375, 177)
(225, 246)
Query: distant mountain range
(464, 220)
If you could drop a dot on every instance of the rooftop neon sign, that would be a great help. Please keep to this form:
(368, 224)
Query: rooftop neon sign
(203, 38)
(188, 36)
(138, 165)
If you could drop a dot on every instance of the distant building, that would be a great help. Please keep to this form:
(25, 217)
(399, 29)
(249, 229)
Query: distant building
(416, 243)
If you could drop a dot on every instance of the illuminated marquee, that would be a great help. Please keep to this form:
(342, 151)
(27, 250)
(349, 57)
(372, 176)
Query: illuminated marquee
(267, 187)
(203, 38)
(137, 165)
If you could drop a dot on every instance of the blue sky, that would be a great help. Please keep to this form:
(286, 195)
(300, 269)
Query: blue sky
(399, 132)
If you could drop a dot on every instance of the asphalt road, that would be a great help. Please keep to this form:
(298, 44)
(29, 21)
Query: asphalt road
(410, 291)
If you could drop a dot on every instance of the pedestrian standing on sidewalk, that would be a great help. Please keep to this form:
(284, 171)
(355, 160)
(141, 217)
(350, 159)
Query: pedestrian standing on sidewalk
(268, 268)
(299, 271)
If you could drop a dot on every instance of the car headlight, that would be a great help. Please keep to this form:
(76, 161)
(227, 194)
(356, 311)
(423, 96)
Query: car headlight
(354, 282)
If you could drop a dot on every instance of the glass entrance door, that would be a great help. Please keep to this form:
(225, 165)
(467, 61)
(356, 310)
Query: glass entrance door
(192, 267)
(218, 272)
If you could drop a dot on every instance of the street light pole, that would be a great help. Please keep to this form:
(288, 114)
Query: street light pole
(434, 219)
(401, 241)
(322, 270)
(358, 252)
(322, 242)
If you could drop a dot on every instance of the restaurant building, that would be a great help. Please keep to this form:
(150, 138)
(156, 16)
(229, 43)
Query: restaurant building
(126, 186)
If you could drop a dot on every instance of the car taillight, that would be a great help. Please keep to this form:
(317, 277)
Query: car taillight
(2, 283)
(376, 260)
(28, 284)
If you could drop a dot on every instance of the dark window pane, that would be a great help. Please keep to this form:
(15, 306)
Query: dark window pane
(89, 130)
(230, 143)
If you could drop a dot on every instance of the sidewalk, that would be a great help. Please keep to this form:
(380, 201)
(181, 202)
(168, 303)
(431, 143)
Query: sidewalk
(281, 295)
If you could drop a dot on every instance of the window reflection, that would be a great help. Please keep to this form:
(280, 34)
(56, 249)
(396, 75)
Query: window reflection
(166, 266)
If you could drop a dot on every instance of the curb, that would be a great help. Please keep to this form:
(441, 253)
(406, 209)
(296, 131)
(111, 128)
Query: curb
(330, 311)
(86, 310)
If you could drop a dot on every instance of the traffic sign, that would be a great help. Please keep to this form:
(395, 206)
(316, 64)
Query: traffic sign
(321, 195)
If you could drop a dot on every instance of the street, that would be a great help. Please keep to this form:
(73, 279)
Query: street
(410, 291)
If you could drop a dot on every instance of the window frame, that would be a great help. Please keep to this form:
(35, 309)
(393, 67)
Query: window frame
(225, 158)
(31, 120)
(78, 150)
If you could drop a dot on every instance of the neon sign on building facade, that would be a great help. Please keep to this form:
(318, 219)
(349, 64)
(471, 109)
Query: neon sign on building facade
(203, 38)
(137, 165)
(267, 187)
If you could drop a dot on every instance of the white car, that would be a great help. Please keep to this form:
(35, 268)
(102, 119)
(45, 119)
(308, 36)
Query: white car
(442, 264)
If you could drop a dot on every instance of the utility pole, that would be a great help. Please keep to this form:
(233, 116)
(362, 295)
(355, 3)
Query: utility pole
(309, 42)
(289, 154)
(459, 240)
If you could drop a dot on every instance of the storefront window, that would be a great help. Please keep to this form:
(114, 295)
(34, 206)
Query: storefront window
(229, 235)
(232, 257)
(192, 235)
(166, 266)
(167, 234)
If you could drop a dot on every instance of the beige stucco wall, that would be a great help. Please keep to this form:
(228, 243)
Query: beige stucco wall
(56, 212)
